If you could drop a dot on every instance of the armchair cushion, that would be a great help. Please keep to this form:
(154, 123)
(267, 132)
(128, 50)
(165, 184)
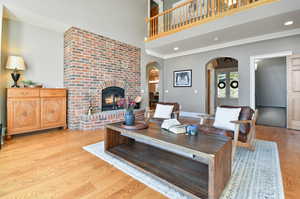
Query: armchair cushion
(224, 116)
(245, 114)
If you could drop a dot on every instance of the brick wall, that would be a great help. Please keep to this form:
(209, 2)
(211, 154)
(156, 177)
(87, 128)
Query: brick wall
(93, 62)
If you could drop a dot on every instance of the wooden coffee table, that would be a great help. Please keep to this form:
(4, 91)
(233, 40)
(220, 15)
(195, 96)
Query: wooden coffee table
(199, 166)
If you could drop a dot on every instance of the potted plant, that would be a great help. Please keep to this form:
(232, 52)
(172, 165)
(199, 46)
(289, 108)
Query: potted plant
(129, 105)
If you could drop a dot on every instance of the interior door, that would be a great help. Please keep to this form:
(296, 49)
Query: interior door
(293, 78)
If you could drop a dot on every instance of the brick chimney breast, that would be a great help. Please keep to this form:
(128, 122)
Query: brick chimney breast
(91, 63)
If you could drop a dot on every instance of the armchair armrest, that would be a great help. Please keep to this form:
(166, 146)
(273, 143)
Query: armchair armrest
(204, 116)
(176, 114)
(242, 122)
(148, 112)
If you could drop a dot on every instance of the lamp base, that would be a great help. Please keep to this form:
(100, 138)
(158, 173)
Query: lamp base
(15, 86)
(15, 76)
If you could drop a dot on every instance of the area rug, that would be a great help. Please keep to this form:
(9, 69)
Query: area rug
(256, 175)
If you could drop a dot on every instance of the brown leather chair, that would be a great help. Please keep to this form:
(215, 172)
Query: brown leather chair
(244, 127)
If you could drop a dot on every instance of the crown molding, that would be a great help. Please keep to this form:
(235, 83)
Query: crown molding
(155, 54)
(229, 44)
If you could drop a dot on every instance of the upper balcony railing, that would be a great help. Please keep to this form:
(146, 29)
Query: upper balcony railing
(195, 12)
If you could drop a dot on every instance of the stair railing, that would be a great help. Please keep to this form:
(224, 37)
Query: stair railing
(195, 12)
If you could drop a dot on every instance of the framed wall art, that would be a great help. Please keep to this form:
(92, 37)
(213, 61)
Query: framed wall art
(182, 78)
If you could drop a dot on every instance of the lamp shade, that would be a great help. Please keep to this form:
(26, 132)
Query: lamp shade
(15, 63)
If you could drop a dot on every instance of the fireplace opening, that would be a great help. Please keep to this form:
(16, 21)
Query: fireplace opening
(110, 98)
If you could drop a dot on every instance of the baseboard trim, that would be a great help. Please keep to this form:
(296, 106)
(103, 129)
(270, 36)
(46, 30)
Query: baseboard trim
(2, 135)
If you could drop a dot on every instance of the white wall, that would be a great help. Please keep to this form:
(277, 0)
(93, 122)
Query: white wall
(195, 102)
(123, 20)
(42, 50)
(2, 75)
(36, 32)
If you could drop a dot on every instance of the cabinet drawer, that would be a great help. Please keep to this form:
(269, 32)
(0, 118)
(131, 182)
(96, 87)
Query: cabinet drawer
(53, 92)
(23, 92)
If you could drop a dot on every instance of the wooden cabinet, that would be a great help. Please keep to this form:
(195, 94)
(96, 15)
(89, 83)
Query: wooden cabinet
(23, 115)
(32, 109)
(53, 111)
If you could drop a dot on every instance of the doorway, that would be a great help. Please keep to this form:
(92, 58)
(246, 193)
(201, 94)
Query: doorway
(271, 91)
(222, 83)
(153, 86)
(268, 88)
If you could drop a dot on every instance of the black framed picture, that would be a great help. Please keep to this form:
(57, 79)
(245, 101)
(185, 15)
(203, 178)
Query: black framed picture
(182, 78)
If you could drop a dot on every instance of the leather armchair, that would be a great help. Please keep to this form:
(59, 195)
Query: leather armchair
(244, 133)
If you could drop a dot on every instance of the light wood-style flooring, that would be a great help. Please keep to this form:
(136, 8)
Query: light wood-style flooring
(52, 164)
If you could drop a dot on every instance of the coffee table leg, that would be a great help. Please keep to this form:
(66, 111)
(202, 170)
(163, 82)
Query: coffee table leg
(219, 171)
(114, 138)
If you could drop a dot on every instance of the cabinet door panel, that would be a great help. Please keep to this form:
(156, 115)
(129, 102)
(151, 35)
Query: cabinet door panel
(53, 111)
(23, 115)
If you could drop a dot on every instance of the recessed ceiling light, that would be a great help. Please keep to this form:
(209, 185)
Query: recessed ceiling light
(216, 38)
(289, 23)
(176, 48)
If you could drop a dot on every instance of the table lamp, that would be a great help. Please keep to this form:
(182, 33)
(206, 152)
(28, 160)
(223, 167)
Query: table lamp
(15, 63)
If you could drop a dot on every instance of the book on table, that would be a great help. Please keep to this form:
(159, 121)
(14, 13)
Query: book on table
(174, 126)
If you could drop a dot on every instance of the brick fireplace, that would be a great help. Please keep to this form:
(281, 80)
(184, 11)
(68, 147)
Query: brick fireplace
(110, 98)
(93, 63)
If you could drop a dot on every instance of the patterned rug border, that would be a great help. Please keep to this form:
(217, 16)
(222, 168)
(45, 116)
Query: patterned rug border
(229, 192)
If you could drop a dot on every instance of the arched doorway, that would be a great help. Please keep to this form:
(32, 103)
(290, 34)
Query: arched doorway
(153, 84)
(222, 83)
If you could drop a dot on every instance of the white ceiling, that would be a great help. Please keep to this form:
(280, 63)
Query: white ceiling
(256, 30)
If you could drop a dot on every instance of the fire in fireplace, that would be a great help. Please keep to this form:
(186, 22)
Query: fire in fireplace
(110, 98)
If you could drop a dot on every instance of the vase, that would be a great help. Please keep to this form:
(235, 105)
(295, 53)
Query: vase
(129, 118)
(192, 129)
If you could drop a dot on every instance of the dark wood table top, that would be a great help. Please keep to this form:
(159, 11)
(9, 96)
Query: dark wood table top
(204, 143)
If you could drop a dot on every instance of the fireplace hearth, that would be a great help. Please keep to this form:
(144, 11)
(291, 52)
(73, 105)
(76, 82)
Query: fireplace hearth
(110, 97)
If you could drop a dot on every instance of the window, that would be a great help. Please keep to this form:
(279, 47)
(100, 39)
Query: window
(221, 79)
(234, 84)
(227, 84)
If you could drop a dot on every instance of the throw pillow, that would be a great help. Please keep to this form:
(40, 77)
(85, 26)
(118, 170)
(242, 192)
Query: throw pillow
(163, 111)
(224, 116)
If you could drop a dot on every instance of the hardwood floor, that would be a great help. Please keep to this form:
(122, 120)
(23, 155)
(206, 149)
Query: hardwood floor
(54, 165)
(289, 152)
